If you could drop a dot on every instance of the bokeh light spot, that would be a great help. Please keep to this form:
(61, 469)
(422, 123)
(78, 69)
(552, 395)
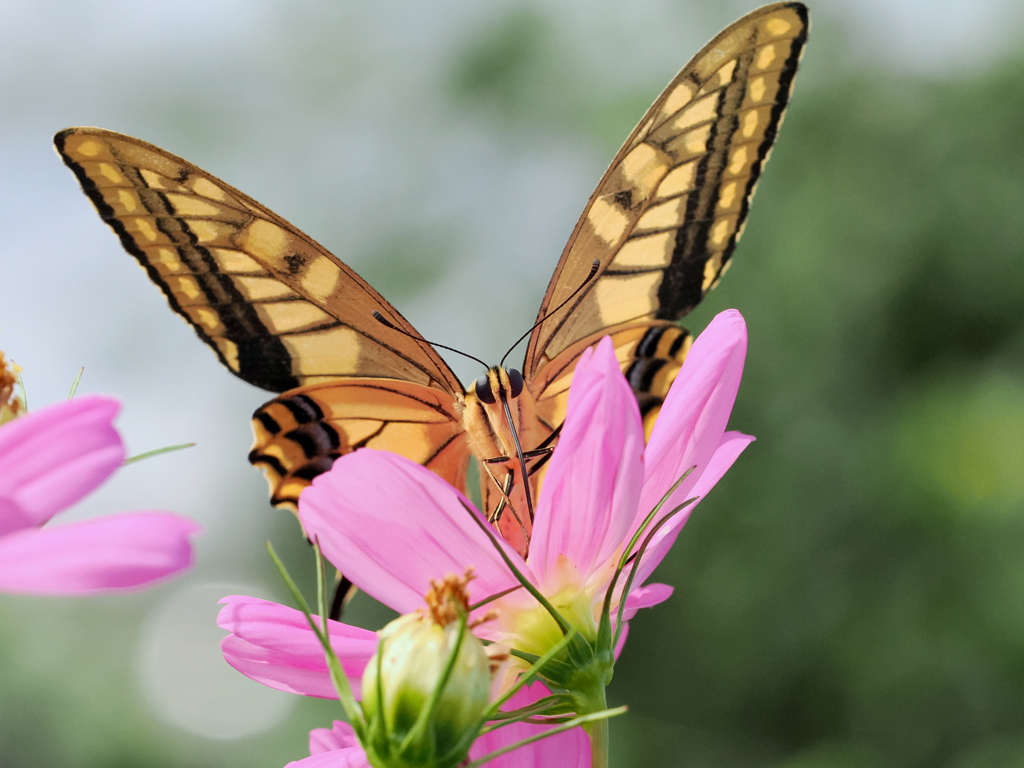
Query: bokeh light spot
(185, 677)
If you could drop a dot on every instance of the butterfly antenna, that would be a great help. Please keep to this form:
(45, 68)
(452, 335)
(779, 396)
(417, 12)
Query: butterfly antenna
(593, 271)
(384, 321)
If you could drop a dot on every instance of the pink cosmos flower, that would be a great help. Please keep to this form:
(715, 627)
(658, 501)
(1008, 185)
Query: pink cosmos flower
(337, 747)
(51, 458)
(394, 525)
(273, 645)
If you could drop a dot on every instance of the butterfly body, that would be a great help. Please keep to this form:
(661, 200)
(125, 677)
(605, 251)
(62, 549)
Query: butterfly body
(284, 314)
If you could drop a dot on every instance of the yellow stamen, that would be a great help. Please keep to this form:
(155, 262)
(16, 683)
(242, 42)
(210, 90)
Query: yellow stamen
(448, 599)
(10, 405)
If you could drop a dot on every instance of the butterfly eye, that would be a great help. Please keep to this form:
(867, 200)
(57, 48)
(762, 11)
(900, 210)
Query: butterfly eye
(484, 391)
(515, 381)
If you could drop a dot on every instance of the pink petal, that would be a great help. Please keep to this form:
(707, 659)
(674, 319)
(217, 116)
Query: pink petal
(53, 457)
(591, 490)
(696, 411)
(645, 597)
(733, 444)
(350, 757)
(570, 749)
(339, 736)
(274, 645)
(622, 640)
(392, 526)
(13, 517)
(108, 554)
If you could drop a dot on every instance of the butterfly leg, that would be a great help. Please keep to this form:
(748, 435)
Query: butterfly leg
(505, 500)
(538, 453)
(344, 591)
(505, 489)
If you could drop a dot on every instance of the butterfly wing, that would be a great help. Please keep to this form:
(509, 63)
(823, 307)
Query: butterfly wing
(276, 307)
(301, 433)
(664, 220)
(650, 354)
(279, 311)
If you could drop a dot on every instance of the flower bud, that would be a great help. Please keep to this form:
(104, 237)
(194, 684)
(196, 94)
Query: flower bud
(427, 688)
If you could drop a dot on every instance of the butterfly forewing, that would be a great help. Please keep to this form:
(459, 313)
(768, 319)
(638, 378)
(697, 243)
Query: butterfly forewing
(276, 307)
(666, 216)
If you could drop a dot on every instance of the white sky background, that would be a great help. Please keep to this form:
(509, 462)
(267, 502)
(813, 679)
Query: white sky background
(328, 113)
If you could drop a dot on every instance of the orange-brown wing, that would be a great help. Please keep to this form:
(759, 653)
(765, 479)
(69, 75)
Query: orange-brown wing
(301, 433)
(277, 308)
(666, 216)
(650, 354)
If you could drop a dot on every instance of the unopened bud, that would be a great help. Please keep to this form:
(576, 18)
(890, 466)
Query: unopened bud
(427, 703)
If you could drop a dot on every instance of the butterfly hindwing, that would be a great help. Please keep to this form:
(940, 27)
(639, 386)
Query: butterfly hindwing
(276, 307)
(650, 354)
(300, 433)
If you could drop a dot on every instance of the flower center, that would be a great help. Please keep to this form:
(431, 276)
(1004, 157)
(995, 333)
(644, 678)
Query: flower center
(529, 626)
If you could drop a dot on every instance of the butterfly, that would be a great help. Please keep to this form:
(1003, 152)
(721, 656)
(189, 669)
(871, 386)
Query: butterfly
(284, 314)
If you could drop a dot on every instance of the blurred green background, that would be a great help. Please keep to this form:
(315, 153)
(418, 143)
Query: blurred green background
(851, 595)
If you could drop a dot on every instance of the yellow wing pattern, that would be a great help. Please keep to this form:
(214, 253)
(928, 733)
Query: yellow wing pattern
(664, 220)
(276, 307)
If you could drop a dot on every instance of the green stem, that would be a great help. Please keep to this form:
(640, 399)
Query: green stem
(593, 700)
(561, 728)
(155, 452)
(75, 383)
(597, 730)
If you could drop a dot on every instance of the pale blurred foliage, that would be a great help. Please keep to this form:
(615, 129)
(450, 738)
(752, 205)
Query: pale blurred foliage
(842, 600)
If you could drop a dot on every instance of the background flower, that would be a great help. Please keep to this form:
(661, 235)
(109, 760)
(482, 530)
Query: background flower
(51, 458)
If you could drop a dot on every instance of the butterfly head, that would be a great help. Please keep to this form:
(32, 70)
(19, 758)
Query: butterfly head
(498, 403)
(499, 384)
